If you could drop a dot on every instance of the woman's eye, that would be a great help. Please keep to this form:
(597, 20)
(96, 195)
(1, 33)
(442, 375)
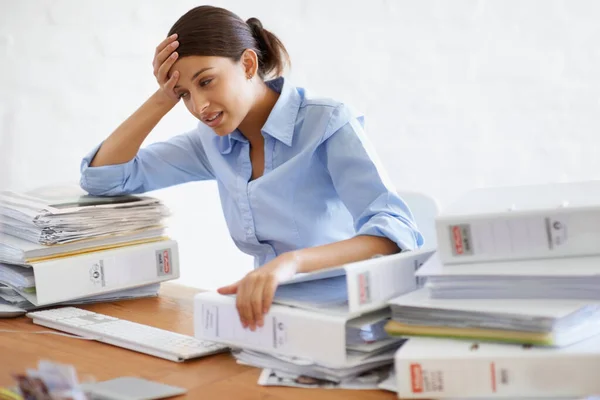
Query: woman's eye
(182, 95)
(205, 82)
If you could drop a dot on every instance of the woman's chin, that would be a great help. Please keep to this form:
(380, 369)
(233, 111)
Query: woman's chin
(223, 130)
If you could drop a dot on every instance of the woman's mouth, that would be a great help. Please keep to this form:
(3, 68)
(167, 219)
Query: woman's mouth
(214, 119)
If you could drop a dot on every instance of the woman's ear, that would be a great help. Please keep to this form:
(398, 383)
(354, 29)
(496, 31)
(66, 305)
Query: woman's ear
(249, 62)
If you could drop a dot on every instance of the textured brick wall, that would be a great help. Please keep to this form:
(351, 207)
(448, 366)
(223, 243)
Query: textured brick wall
(458, 94)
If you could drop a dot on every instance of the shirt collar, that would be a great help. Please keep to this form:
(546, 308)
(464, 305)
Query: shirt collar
(281, 121)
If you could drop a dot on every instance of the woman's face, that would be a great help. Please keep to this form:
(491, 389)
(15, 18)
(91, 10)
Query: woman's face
(215, 90)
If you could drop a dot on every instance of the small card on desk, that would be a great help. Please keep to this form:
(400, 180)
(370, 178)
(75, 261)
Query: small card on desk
(130, 388)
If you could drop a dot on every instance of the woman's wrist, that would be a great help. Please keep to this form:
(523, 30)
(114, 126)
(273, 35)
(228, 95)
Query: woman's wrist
(290, 265)
(162, 100)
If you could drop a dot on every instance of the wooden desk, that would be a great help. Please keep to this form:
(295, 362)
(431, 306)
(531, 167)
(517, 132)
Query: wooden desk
(213, 377)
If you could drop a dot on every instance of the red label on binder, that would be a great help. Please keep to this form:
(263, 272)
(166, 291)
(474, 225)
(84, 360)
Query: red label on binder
(166, 262)
(416, 378)
(458, 240)
(364, 288)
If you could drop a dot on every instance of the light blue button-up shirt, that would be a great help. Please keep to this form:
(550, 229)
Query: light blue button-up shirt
(321, 184)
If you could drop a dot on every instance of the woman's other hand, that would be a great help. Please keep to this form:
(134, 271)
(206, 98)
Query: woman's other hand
(255, 292)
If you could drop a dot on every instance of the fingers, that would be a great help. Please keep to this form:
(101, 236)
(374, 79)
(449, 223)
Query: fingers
(254, 296)
(164, 44)
(231, 289)
(170, 84)
(242, 302)
(256, 304)
(163, 69)
(163, 56)
(268, 294)
(249, 301)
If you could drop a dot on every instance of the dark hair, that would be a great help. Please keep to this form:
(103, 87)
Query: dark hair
(214, 31)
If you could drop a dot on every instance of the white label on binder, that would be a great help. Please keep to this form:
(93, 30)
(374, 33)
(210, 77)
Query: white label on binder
(503, 236)
(279, 333)
(557, 231)
(97, 273)
(210, 320)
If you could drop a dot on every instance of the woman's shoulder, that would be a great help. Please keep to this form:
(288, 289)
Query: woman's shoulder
(336, 113)
(317, 102)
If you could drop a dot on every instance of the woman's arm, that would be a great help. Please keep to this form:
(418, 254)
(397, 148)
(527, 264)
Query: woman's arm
(180, 159)
(363, 185)
(358, 248)
(124, 143)
(256, 290)
(118, 166)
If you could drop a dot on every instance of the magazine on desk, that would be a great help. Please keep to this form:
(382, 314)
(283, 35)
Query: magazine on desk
(366, 381)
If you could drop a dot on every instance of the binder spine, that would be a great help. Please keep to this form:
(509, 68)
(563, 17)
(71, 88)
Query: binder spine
(370, 285)
(286, 331)
(105, 271)
(567, 376)
(519, 235)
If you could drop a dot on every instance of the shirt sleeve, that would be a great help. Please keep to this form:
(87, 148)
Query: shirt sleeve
(178, 160)
(363, 185)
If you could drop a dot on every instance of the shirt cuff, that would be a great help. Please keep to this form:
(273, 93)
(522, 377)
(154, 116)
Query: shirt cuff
(384, 225)
(102, 180)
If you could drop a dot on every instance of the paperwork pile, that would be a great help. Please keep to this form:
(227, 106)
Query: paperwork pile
(540, 241)
(58, 244)
(552, 322)
(50, 217)
(562, 278)
(11, 297)
(516, 266)
(324, 327)
(366, 381)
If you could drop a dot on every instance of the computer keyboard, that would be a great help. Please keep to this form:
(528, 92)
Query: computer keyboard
(129, 335)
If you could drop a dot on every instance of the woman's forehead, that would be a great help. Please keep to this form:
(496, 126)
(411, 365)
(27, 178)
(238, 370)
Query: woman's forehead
(191, 67)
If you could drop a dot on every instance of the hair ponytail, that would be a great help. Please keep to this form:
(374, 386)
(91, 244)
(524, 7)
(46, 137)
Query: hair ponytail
(272, 55)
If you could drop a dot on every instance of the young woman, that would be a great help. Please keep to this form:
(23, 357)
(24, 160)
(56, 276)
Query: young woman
(300, 187)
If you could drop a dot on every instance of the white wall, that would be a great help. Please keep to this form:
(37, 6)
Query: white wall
(458, 94)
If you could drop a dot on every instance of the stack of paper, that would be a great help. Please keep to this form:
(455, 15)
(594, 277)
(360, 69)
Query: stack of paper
(12, 297)
(59, 245)
(65, 216)
(555, 278)
(16, 276)
(540, 322)
(516, 265)
(19, 251)
(368, 380)
(305, 367)
(327, 325)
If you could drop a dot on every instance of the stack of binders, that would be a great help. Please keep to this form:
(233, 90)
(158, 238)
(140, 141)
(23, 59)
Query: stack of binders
(59, 245)
(511, 304)
(326, 325)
